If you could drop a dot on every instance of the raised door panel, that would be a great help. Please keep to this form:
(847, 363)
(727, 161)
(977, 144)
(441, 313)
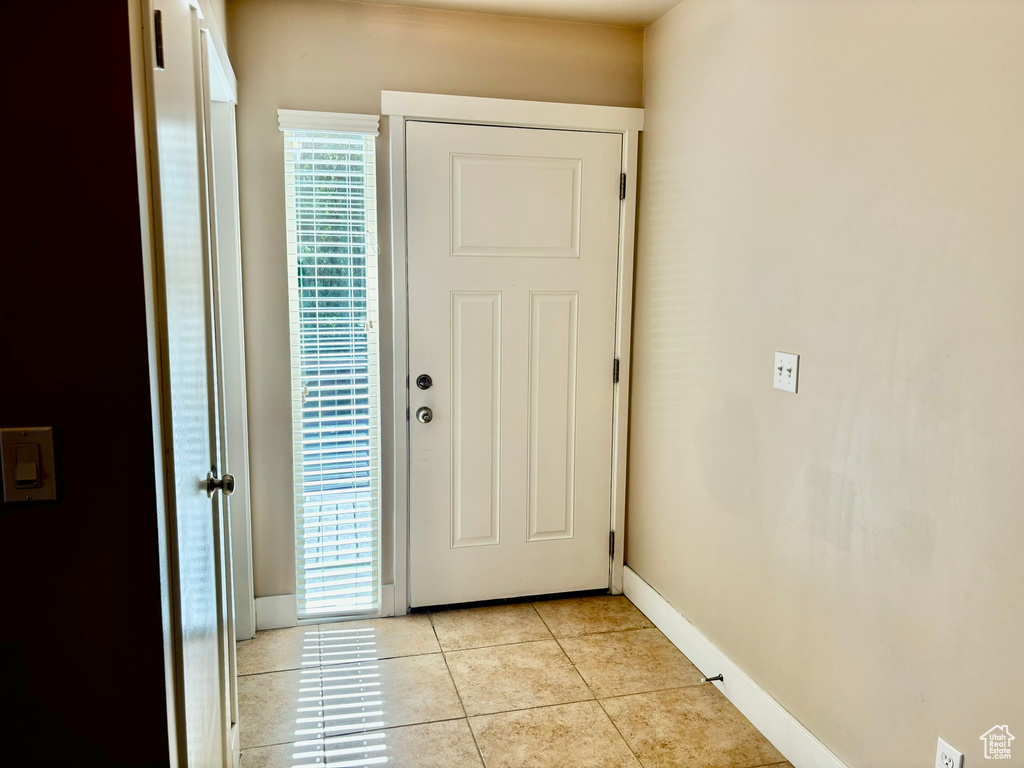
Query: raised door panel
(476, 418)
(515, 206)
(552, 421)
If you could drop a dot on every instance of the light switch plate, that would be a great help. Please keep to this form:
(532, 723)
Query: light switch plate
(42, 437)
(786, 371)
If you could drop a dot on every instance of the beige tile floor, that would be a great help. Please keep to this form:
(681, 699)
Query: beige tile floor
(578, 683)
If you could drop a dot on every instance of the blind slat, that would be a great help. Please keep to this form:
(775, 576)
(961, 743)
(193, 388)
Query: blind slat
(330, 194)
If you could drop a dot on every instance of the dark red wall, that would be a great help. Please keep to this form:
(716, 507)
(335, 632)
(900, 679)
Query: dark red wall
(80, 634)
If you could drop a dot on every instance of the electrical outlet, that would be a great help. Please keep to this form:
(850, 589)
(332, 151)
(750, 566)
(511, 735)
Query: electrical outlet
(947, 757)
(786, 369)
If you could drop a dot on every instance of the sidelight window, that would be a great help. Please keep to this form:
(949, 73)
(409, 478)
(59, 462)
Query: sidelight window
(331, 203)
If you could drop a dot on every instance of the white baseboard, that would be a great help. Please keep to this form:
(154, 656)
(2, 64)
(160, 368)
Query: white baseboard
(276, 611)
(387, 600)
(783, 730)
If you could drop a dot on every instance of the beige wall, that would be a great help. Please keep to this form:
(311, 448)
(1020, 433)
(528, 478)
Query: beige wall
(843, 180)
(338, 56)
(219, 10)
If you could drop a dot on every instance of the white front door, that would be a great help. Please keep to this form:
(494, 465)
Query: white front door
(513, 252)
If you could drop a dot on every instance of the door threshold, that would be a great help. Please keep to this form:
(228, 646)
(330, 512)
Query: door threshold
(510, 600)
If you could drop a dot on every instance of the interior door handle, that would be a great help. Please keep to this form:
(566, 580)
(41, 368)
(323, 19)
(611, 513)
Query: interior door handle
(424, 415)
(225, 484)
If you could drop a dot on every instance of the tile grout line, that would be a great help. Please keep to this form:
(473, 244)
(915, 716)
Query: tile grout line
(599, 704)
(440, 652)
(548, 628)
(662, 690)
(337, 664)
(374, 729)
(462, 704)
(309, 666)
(329, 664)
(585, 682)
(609, 632)
(324, 667)
(497, 645)
(524, 642)
(458, 693)
(538, 706)
(621, 735)
(445, 652)
(448, 669)
(659, 690)
(543, 639)
(472, 735)
(322, 709)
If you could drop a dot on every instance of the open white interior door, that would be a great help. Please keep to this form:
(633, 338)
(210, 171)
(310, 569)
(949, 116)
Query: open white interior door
(220, 435)
(182, 225)
(512, 269)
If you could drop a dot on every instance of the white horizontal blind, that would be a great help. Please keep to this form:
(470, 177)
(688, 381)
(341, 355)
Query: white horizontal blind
(330, 193)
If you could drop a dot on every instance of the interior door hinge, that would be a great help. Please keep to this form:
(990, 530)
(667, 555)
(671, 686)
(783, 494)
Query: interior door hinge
(158, 35)
(622, 186)
(611, 544)
(615, 371)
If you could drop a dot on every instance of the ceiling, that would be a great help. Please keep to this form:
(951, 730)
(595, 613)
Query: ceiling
(629, 13)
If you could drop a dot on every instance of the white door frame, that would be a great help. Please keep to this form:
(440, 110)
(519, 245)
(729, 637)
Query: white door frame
(400, 106)
(222, 178)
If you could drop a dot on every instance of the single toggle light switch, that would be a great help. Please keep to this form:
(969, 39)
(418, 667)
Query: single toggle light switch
(26, 469)
(26, 455)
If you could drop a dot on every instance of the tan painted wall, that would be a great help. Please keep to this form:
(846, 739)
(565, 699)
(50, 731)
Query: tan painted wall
(338, 56)
(219, 10)
(76, 357)
(843, 180)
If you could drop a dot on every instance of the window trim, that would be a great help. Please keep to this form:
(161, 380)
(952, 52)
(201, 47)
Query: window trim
(368, 126)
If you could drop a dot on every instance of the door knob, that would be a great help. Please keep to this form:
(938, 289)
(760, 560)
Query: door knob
(226, 484)
(424, 415)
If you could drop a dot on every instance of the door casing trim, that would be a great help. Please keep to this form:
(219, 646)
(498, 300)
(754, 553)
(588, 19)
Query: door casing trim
(400, 107)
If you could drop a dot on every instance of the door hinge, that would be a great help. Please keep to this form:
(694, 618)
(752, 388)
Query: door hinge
(611, 544)
(158, 34)
(622, 186)
(615, 371)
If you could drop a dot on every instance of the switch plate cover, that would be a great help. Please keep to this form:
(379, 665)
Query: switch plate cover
(10, 440)
(786, 369)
